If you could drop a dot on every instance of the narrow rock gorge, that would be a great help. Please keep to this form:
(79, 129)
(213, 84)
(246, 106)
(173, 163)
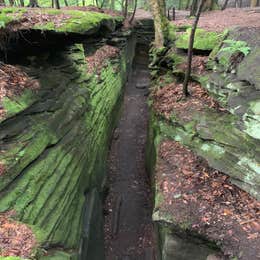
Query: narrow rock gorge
(101, 157)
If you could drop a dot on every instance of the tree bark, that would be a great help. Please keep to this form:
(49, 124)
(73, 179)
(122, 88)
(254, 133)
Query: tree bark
(193, 7)
(126, 8)
(133, 14)
(253, 3)
(160, 22)
(224, 5)
(57, 4)
(66, 3)
(190, 50)
(33, 3)
(112, 7)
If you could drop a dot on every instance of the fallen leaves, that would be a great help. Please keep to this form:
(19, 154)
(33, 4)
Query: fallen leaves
(168, 99)
(37, 17)
(195, 193)
(2, 169)
(97, 61)
(218, 21)
(13, 81)
(16, 239)
(198, 65)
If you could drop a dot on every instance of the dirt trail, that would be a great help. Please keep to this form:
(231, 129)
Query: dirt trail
(128, 224)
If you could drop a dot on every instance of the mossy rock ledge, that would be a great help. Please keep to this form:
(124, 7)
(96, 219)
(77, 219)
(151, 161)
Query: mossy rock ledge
(59, 21)
(215, 138)
(236, 85)
(54, 145)
(226, 140)
(203, 41)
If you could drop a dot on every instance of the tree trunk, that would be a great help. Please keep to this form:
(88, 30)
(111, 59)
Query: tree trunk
(133, 14)
(193, 7)
(190, 50)
(224, 5)
(57, 4)
(112, 7)
(126, 8)
(253, 3)
(160, 22)
(22, 3)
(33, 3)
(66, 3)
(187, 5)
(11, 2)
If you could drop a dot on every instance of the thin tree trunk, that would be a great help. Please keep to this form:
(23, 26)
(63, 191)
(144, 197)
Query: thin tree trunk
(33, 3)
(160, 22)
(133, 14)
(190, 50)
(66, 3)
(11, 2)
(193, 7)
(126, 8)
(22, 3)
(187, 5)
(253, 3)
(112, 7)
(224, 5)
(103, 3)
(57, 4)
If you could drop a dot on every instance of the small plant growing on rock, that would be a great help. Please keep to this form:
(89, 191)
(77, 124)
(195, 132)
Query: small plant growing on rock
(236, 47)
(233, 54)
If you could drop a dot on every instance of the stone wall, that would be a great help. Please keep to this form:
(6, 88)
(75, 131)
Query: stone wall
(228, 139)
(54, 143)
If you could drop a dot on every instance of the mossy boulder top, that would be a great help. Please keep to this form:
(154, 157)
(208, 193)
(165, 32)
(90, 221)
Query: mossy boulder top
(62, 21)
(204, 40)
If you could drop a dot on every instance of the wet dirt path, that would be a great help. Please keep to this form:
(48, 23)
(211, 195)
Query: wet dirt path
(128, 222)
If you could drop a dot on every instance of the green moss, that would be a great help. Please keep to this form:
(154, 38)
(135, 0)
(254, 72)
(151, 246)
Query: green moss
(62, 152)
(203, 40)
(216, 49)
(58, 255)
(171, 32)
(12, 258)
(78, 21)
(9, 14)
(16, 104)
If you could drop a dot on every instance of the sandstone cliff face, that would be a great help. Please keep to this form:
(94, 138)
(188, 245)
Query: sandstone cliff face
(227, 138)
(54, 142)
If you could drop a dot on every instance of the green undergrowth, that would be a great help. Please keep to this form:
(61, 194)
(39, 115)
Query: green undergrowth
(10, 14)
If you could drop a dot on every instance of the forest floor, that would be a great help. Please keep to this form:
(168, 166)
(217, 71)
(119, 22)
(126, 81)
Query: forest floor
(218, 21)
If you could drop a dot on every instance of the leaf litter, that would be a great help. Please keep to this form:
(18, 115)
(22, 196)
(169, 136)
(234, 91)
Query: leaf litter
(205, 199)
(13, 81)
(16, 239)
